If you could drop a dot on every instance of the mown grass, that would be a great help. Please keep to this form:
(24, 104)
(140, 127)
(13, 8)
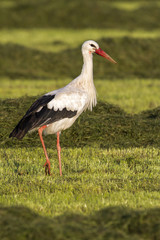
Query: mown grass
(110, 157)
(133, 5)
(96, 14)
(110, 223)
(92, 179)
(57, 40)
(133, 96)
(25, 62)
(107, 126)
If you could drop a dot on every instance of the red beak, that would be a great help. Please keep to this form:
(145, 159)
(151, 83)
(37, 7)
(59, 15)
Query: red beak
(100, 52)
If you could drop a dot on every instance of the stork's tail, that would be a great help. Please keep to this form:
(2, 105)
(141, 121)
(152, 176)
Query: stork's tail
(22, 128)
(17, 133)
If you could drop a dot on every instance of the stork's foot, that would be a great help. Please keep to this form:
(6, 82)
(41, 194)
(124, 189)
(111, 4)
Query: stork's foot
(47, 166)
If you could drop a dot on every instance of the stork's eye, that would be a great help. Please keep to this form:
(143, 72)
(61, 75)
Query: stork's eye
(92, 45)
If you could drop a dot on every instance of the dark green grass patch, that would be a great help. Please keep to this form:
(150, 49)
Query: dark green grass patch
(68, 14)
(135, 58)
(111, 223)
(107, 126)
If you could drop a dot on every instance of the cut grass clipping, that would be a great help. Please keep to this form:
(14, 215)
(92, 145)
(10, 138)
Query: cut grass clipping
(106, 127)
(49, 14)
(109, 223)
(135, 58)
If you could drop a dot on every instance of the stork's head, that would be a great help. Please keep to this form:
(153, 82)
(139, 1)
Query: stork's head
(93, 47)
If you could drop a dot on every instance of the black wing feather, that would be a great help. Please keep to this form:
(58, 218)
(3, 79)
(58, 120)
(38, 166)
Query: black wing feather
(40, 102)
(35, 119)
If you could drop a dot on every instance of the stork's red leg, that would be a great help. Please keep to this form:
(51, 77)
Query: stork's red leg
(47, 163)
(59, 153)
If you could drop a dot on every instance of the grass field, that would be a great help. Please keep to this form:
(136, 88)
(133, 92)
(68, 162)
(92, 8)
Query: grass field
(110, 188)
(133, 96)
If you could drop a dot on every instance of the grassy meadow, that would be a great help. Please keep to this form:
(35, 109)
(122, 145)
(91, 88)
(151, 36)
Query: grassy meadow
(110, 188)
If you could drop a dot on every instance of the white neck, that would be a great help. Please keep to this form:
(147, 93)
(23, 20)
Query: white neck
(85, 80)
(87, 69)
(86, 77)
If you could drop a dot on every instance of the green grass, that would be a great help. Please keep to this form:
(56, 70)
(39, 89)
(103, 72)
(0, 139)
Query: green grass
(25, 62)
(56, 40)
(133, 5)
(133, 96)
(111, 156)
(112, 126)
(96, 14)
(109, 223)
(92, 179)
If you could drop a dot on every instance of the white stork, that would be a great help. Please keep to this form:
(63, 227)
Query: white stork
(57, 110)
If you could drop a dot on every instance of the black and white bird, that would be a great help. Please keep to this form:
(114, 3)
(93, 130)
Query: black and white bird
(57, 110)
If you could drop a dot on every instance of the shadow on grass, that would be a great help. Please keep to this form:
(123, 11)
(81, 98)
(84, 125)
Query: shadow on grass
(107, 126)
(110, 223)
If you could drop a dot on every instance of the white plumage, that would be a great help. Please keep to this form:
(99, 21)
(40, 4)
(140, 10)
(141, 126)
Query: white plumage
(58, 110)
